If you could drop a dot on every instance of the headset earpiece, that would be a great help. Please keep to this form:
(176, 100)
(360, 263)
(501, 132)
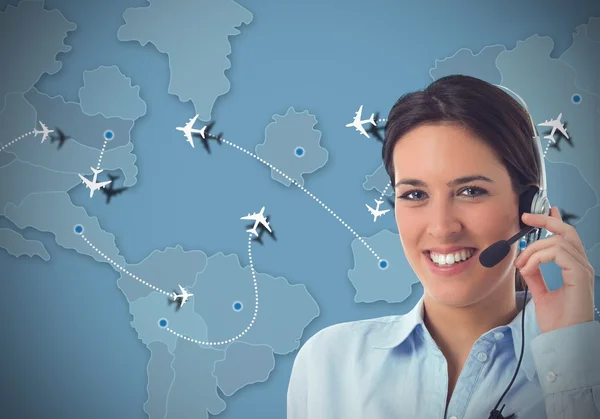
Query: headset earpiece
(527, 202)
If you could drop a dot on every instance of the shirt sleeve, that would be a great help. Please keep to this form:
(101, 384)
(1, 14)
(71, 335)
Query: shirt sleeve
(568, 366)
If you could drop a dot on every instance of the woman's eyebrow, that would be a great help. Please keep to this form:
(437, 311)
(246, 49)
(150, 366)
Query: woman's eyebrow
(452, 183)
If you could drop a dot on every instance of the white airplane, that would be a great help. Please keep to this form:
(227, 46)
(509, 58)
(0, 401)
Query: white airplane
(258, 218)
(45, 131)
(93, 185)
(184, 296)
(188, 130)
(377, 212)
(358, 123)
(556, 125)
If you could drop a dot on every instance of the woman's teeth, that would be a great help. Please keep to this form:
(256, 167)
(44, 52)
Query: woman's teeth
(452, 258)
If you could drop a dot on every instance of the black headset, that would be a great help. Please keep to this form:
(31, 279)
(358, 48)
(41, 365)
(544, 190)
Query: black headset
(533, 200)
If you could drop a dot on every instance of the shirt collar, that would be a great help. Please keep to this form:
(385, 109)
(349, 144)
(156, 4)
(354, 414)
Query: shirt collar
(398, 328)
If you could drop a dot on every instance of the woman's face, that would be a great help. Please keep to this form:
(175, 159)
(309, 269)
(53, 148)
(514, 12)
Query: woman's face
(433, 212)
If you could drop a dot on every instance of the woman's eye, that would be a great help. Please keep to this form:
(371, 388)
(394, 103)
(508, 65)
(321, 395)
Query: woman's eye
(475, 192)
(412, 196)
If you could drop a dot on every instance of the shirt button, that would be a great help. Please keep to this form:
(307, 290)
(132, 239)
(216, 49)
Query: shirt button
(551, 376)
(498, 335)
(482, 356)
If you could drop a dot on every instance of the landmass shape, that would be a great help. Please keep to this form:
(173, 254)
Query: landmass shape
(292, 145)
(547, 85)
(379, 180)
(184, 30)
(243, 365)
(391, 279)
(584, 56)
(284, 310)
(38, 47)
(194, 390)
(211, 315)
(160, 378)
(108, 92)
(17, 245)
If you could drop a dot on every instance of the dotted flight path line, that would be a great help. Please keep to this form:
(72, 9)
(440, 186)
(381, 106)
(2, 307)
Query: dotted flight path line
(224, 342)
(102, 153)
(179, 335)
(302, 188)
(137, 278)
(15, 140)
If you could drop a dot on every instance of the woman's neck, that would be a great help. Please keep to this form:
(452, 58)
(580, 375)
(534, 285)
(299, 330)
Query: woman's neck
(455, 329)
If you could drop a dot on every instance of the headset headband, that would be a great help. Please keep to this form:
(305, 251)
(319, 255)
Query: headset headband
(536, 140)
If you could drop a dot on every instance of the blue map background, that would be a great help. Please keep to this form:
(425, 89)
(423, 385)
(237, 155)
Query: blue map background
(75, 347)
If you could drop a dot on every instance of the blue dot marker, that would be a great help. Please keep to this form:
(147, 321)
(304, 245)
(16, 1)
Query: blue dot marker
(383, 264)
(237, 306)
(109, 135)
(78, 229)
(163, 323)
(299, 152)
(576, 98)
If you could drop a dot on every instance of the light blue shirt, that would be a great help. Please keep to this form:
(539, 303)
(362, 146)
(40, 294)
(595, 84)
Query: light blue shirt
(390, 367)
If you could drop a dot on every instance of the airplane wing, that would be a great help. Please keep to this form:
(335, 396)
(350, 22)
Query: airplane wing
(249, 217)
(182, 290)
(183, 300)
(266, 224)
(87, 182)
(192, 121)
(547, 123)
(371, 210)
(358, 113)
(384, 211)
(190, 140)
(362, 131)
(103, 184)
(563, 130)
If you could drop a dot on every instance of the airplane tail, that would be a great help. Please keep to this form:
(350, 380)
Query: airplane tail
(36, 132)
(96, 171)
(174, 296)
(371, 120)
(253, 231)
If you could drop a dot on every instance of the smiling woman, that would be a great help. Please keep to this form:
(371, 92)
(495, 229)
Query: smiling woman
(457, 105)
(460, 154)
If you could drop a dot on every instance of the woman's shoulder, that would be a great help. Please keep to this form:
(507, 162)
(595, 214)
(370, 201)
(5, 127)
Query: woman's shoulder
(352, 333)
